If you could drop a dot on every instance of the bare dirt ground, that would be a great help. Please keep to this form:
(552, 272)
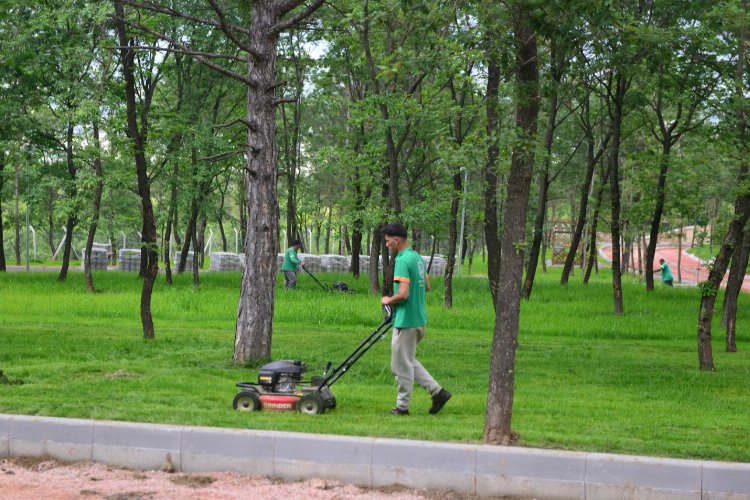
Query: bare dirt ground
(32, 479)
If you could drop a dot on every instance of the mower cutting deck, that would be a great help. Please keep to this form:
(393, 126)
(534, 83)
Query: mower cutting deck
(280, 385)
(336, 286)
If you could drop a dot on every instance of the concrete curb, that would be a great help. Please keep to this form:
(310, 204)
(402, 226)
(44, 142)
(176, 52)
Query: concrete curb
(465, 468)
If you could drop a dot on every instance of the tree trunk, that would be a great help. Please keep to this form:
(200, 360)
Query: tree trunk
(96, 209)
(17, 246)
(544, 178)
(614, 185)
(679, 255)
(377, 235)
(497, 426)
(452, 237)
(3, 267)
(328, 231)
(171, 216)
(196, 263)
(189, 238)
(70, 224)
(220, 221)
(253, 334)
(656, 219)
(638, 240)
(144, 188)
(490, 175)
(734, 286)
(388, 265)
(734, 235)
(541, 214)
(592, 233)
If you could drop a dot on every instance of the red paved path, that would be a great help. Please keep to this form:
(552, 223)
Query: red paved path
(692, 270)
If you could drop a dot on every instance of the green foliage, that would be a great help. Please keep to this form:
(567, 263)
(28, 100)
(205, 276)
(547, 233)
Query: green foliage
(586, 380)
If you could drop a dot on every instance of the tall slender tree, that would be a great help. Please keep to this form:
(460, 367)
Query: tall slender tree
(497, 426)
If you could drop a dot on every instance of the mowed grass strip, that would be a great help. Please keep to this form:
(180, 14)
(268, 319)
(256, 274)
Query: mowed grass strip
(585, 378)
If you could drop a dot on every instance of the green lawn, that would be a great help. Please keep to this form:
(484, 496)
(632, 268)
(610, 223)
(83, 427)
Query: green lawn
(586, 379)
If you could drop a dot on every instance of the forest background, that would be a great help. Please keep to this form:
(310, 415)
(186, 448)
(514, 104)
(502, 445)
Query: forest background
(278, 119)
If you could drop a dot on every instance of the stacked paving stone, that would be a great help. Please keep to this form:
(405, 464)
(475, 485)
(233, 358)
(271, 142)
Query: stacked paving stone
(438, 264)
(313, 263)
(130, 259)
(332, 263)
(188, 261)
(329, 263)
(99, 259)
(225, 261)
(364, 264)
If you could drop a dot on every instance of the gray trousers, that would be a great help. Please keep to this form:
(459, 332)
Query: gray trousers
(290, 279)
(405, 366)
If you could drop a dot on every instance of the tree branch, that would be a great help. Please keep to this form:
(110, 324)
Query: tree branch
(186, 50)
(222, 156)
(180, 51)
(299, 16)
(276, 102)
(243, 121)
(226, 28)
(173, 13)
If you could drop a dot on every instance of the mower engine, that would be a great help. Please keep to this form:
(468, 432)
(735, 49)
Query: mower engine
(281, 376)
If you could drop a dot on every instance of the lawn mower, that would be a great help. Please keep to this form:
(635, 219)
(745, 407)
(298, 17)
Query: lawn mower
(280, 386)
(336, 286)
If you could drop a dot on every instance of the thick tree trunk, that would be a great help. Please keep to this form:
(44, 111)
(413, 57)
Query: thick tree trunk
(253, 334)
(656, 219)
(96, 209)
(490, 175)
(144, 188)
(497, 426)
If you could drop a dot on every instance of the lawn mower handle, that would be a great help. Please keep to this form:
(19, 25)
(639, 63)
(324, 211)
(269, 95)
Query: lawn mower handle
(388, 314)
(314, 278)
(379, 332)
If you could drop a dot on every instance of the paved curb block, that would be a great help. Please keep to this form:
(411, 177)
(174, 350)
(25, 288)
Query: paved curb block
(464, 468)
(4, 435)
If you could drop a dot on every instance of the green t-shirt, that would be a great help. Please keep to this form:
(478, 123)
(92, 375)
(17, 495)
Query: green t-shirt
(666, 273)
(410, 271)
(291, 261)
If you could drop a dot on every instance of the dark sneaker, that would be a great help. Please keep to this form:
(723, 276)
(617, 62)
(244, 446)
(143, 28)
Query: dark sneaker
(399, 411)
(439, 400)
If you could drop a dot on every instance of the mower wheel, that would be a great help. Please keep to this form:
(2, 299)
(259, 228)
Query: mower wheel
(246, 401)
(312, 404)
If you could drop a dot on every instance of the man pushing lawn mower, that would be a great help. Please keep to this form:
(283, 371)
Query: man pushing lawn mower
(410, 282)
